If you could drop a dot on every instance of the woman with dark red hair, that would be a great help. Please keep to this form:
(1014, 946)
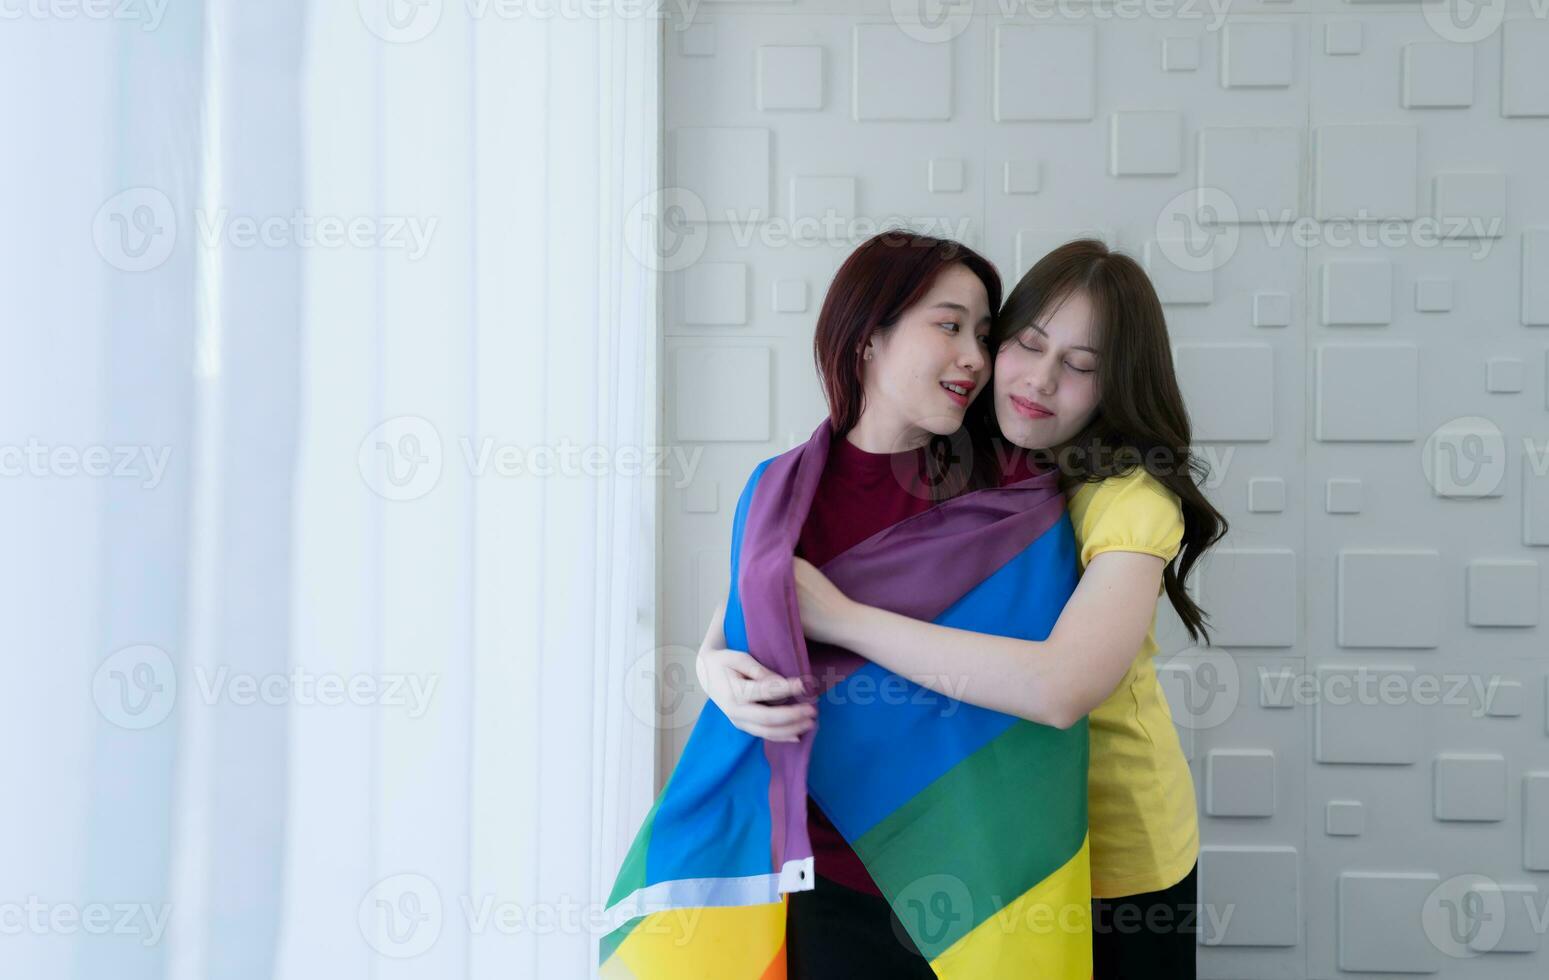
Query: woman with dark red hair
(902, 348)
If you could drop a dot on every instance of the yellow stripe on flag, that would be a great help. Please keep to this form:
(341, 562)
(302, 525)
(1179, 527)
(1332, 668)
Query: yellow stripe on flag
(1046, 933)
(731, 943)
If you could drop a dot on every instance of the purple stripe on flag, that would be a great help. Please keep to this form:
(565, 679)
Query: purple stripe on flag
(917, 567)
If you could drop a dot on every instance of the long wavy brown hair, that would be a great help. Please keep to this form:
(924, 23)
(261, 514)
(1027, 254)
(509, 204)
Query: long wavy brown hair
(883, 277)
(1140, 419)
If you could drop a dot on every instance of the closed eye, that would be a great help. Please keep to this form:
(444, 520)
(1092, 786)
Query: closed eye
(1039, 350)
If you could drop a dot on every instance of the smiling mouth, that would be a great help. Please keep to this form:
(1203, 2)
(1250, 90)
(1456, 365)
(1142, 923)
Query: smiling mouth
(957, 393)
(1029, 410)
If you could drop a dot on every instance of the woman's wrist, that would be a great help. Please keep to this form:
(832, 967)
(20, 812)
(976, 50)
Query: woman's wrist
(849, 624)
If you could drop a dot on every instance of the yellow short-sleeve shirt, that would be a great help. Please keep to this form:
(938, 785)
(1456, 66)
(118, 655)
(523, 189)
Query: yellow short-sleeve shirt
(1140, 794)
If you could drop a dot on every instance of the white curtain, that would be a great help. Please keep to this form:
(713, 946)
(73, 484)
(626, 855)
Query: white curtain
(332, 677)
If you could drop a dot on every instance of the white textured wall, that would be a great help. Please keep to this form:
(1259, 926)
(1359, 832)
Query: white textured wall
(1327, 363)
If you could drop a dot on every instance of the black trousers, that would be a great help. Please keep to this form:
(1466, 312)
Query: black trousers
(840, 933)
(836, 933)
(1150, 935)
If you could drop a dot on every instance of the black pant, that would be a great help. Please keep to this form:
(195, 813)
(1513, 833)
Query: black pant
(837, 932)
(1150, 935)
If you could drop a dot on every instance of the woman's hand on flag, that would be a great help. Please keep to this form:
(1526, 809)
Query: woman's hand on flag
(740, 686)
(824, 609)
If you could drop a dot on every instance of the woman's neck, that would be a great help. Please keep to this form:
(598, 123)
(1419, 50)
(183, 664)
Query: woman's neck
(876, 435)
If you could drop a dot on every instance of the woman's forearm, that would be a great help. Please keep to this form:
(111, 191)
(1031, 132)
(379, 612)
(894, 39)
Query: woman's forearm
(1054, 682)
(1018, 677)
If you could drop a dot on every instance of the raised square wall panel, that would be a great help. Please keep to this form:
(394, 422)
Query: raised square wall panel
(1262, 887)
(1469, 786)
(1465, 458)
(1277, 687)
(1271, 309)
(1240, 783)
(1389, 598)
(1257, 55)
(1521, 914)
(1381, 929)
(1535, 821)
(1344, 818)
(1343, 496)
(1266, 495)
(1144, 143)
(1437, 74)
(945, 176)
(1535, 277)
(1021, 177)
(701, 497)
(1504, 593)
(1525, 67)
(1535, 503)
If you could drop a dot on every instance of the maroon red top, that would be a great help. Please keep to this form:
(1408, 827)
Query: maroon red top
(1017, 465)
(859, 494)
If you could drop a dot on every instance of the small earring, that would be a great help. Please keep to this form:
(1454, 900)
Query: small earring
(866, 356)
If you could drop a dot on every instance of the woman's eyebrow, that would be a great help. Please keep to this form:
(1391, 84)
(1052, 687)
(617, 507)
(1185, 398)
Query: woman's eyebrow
(947, 304)
(1089, 350)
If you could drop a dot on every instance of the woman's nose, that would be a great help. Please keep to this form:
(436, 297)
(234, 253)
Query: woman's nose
(1048, 379)
(973, 358)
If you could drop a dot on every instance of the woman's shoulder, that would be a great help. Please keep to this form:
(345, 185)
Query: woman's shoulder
(1137, 482)
(1126, 508)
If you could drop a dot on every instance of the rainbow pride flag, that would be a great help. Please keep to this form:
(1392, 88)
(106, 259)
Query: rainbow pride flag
(970, 821)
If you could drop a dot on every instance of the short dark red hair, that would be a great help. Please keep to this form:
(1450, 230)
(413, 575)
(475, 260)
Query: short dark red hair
(886, 275)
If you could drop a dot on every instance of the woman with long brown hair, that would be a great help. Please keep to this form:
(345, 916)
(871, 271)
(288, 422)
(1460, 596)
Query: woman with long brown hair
(1085, 385)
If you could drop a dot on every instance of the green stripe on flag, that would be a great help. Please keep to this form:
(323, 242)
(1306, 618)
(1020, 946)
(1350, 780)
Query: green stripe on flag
(632, 874)
(613, 940)
(993, 826)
